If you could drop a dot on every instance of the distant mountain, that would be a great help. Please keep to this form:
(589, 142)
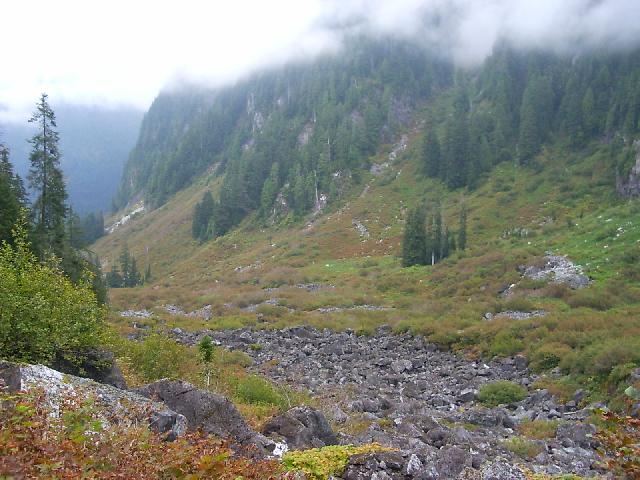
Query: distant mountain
(95, 144)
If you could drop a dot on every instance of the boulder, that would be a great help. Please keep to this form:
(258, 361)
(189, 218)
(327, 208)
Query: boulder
(98, 365)
(370, 466)
(206, 411)
(580, 434)
(302, 427)
(501, 470)
(111, 402)
(451, 461)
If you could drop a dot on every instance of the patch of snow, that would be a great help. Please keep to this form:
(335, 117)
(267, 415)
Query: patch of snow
(138, 208)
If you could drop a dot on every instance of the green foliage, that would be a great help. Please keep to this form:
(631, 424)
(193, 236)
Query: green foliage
(43, 313)
(206, 348)
(259, 391)
(414, 242)
(127, 275)
(157, 357)
(522, 447)
(501, 392)
(549, 356)
(202, 228)
(539, 429)
(12, 195)
(322, 463)
(46, 178)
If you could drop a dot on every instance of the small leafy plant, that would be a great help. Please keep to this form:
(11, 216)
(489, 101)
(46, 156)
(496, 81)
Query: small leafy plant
(501, 392)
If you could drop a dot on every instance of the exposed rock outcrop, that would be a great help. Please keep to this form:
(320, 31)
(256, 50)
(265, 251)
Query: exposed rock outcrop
(558, 269)
(206, 411)
(302, 427)
(112, 402)
(630, 186)
(98, 365)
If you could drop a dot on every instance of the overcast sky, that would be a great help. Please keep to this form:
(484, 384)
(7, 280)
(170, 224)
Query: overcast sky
(124, 52)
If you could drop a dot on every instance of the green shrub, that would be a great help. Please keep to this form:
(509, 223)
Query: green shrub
(501, 392)
(549, 356)
(506, 344)
(601, 358)
(539, 429)
(43, 315)
(522, 447)
(325, 462)
(595, 299)
(256, 390)
(158, 357)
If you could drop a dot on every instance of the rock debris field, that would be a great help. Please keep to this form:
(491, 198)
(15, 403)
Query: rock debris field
(401, 392)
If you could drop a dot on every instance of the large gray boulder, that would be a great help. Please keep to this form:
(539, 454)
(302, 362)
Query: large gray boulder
(302, 427)
(206, 411)
(96, 364)
(111, 402)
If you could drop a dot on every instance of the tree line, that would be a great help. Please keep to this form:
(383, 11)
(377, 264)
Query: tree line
(520, 101)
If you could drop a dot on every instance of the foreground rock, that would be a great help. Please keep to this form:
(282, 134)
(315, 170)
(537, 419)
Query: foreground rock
(302, 428)
(98, 365)
(207, 411)
(111, 402)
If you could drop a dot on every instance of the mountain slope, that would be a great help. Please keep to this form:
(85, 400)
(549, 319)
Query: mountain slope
(339, 267)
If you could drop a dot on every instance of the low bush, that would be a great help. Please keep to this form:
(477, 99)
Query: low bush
(596, 299)
(538, 429)
(77, 444)
(501, 392)
(325, 462)
(549, 355)
(157, 356)
(256, 390)
(506, 344)
(522, 447)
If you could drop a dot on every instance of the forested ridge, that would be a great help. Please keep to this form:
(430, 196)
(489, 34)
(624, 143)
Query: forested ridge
(309, 128)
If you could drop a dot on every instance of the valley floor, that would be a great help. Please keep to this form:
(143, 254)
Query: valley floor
(400, 392)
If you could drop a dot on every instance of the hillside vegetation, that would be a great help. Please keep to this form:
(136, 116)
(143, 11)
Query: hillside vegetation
(531, 145)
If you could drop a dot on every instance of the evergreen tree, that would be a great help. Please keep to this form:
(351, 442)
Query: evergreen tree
(590, 121)
(431, 155)
(462, 231)
(206, 349)
(202, 216)
(438, 237)
(45, 177)
(457, 151)
(113, 277)
(269, 191)
(414, 242)
(133, 277)
(12, 196)
(535, 117)
(147, 274)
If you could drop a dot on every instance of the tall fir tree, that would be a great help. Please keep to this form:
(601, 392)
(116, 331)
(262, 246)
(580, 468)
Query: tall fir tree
(462, 228)
(46, 179)
(12, 196)
(431, 155)
(414, 242)
(202, 217)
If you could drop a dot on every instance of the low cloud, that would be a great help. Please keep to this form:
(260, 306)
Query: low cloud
(123, 52)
